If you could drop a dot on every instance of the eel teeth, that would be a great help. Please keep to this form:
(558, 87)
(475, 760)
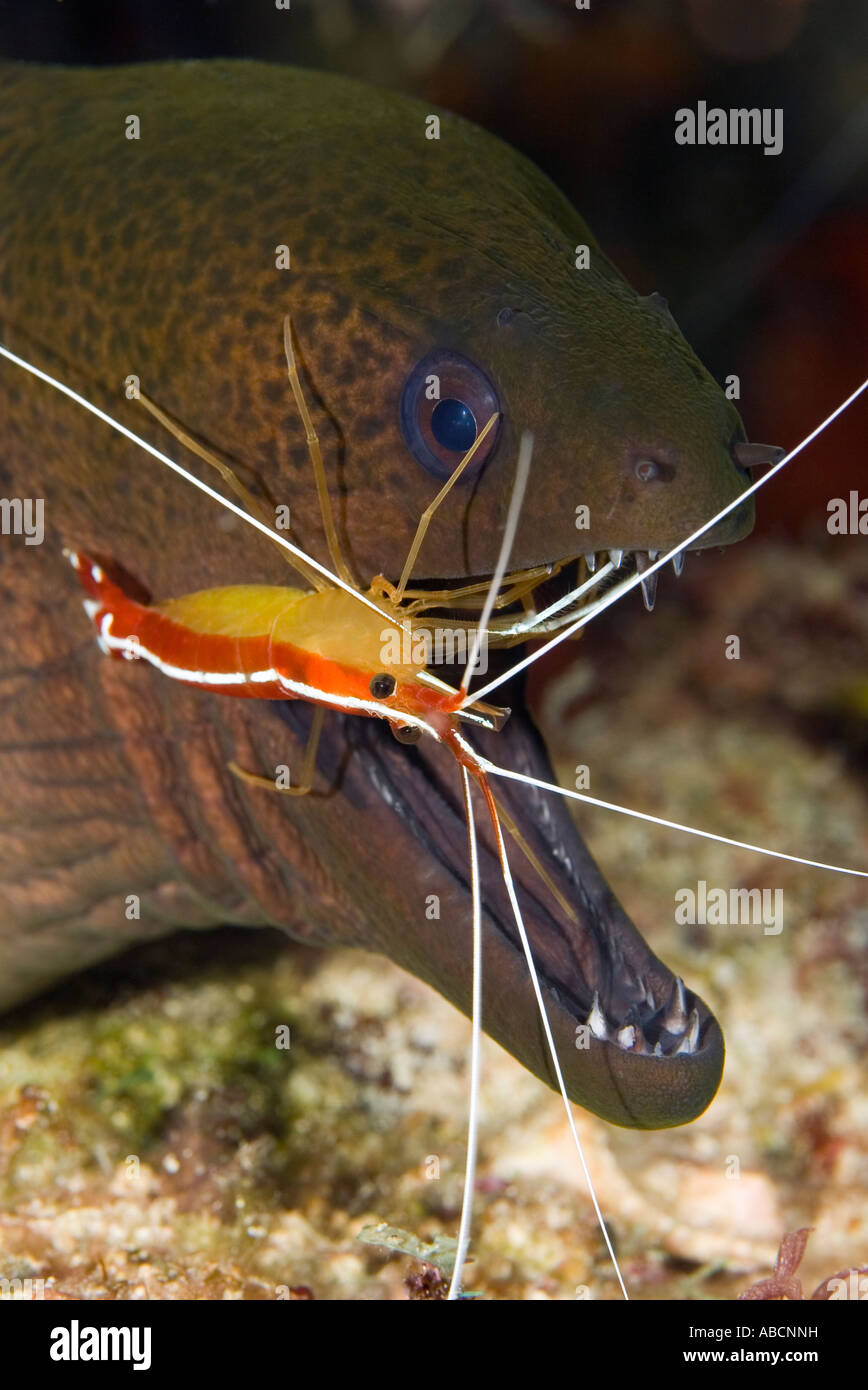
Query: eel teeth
(675, 1019)
(678, 562)
(616, 557)
(597, 1021)
(691, 1037)
(632, 1039)
(591, 562)
(649, 592)
(649, 586)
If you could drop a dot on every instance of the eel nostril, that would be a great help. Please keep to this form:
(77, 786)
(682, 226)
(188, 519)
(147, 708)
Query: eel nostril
(748, 456)
(653, 467)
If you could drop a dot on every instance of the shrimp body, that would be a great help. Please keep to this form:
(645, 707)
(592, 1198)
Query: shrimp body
(269, 642)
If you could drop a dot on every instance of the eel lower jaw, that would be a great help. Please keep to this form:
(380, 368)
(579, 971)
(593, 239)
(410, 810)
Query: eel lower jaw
(634, 1045)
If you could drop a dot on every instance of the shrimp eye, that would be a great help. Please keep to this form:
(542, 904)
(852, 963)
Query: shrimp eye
(407, 733)
(445, 403)
(382, 686)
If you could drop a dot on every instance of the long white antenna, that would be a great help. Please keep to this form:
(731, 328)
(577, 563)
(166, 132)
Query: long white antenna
(514, 512)
(233, 506)
(522, 469)
(475, 1054)
(535, 619)
(544, 1019)
(191, 478)
(614, 595)
(660, 820)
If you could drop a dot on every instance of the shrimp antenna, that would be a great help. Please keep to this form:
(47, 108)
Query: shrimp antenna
(522, 469)
(475, 1041)
(315, 454)
(425, 519)
(544, 1019)
(478, 766)
(306, 564)
(529, 781)
(518, 489)
(615, 594)
(191, 478)
(252, 503)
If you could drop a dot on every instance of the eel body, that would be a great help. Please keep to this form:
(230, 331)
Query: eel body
(250, 191)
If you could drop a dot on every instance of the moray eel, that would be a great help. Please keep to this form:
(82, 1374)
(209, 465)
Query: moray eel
(160, 256)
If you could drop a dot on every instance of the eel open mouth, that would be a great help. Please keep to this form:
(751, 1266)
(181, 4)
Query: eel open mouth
(635, 1045)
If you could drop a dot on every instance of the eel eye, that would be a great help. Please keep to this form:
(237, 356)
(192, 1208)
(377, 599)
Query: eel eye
(407, 733)
(382, 686)
(445, 402)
